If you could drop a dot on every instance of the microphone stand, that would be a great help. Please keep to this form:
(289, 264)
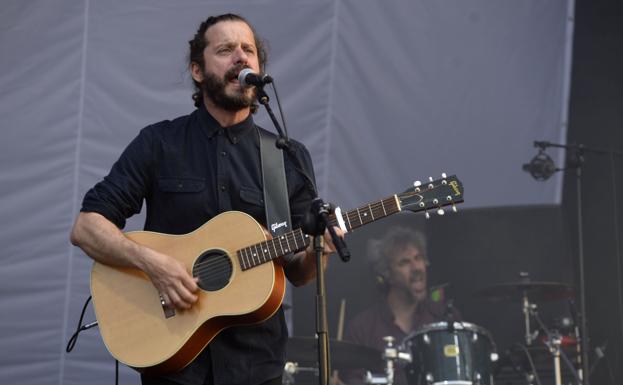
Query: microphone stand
(575, 161)
(282, 142)
(315, 224)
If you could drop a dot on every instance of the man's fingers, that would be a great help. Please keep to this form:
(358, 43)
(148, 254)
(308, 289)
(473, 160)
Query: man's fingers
(178, 302)
(186, 295)
(190, 283)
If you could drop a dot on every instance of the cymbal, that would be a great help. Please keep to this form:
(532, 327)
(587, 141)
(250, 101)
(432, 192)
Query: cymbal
(535, 291)
(344, 355)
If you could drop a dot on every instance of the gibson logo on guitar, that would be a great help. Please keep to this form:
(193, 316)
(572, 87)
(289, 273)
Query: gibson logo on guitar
(239, 281)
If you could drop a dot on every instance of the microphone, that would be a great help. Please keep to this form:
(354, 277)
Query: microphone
(541, 167)
(248, 78)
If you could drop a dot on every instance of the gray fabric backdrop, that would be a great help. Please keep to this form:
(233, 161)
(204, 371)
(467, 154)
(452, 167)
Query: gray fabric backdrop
(381, 92)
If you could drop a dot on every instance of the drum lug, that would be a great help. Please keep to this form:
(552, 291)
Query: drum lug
(474, 337)
(477, 378)
(426, 339)
(429, 378)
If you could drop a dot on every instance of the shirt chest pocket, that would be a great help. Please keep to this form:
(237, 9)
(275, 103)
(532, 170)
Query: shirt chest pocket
(182, 196)
(252, 196)
(250, 201)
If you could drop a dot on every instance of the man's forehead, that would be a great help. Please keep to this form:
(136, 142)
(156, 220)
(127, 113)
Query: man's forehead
(227, 31)
(407, 251)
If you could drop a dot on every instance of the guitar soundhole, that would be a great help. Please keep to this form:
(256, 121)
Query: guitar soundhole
(214, 269)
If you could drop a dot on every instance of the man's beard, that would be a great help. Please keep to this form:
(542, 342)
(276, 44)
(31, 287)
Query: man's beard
(214, 88)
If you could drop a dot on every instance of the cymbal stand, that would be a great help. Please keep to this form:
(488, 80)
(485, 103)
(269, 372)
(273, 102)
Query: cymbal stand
(553, 342)
(527, 308)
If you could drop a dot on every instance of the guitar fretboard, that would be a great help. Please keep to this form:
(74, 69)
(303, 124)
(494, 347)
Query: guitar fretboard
(296, 240)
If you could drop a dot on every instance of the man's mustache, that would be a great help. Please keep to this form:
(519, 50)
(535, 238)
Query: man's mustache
(418, 274)
(235, 70)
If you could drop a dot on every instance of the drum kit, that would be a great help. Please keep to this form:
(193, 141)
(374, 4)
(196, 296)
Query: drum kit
(461, 353)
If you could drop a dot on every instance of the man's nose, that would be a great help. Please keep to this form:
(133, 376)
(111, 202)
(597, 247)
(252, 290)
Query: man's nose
(240, 56)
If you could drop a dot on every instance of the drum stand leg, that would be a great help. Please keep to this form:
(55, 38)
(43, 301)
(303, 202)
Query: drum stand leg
(557, 362)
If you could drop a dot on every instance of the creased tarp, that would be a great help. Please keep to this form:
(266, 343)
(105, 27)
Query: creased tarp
(381, 92)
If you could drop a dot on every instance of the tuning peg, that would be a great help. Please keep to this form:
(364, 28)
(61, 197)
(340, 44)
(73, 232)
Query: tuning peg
(427, 215)
(454, 208)
(443, 175)
(440, 211)
(417, 183)
(430, 178)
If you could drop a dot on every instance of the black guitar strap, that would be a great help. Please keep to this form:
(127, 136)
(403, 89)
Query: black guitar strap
(276, 200)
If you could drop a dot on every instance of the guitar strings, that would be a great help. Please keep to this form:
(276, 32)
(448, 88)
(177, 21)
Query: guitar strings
(263, 249)
(377, 209)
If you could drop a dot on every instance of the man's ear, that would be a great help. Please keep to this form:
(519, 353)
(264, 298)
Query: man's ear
(196, 72)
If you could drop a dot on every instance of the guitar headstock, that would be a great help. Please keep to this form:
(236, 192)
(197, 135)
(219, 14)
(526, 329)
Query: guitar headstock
(433, 195)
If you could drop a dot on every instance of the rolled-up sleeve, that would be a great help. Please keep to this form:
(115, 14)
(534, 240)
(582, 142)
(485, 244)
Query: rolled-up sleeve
(120, 194)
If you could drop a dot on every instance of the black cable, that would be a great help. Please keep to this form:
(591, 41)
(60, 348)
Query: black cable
(529, 357)
(80, 328)
(116, 372)
(284, 142)
(283, 119)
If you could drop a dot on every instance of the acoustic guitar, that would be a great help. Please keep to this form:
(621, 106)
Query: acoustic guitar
(240, 280)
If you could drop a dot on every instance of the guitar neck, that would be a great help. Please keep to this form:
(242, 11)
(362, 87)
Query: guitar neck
(296, 240)
(366, 214)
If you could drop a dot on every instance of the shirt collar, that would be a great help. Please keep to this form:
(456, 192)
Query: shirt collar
(212, 127)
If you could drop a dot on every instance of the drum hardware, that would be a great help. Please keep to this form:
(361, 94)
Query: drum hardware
(526, 291)
(290, 369)
(457, 354)
(553, 342)
(392, 355)
(344, 355)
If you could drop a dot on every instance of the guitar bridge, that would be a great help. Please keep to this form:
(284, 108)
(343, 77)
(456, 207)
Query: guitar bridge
(168, 310)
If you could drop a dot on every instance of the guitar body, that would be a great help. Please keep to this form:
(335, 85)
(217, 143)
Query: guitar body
(141, 333)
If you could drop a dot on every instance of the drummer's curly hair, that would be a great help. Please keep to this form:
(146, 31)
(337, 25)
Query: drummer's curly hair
(395, 239)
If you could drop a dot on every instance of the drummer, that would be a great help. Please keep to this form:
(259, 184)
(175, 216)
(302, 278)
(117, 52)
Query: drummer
(400, 262)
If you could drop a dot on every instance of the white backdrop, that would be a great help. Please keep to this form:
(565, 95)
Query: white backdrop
(381, 91)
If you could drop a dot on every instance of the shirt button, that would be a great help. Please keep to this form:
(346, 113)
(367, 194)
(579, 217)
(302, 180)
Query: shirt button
(223, 187)
(223, 153)
(235, 139)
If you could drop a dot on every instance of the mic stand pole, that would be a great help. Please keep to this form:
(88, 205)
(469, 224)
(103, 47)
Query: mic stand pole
(583, 325)
(316, 226)
(321, 212)
(575, 162)
(322, 328)
(282, 141)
